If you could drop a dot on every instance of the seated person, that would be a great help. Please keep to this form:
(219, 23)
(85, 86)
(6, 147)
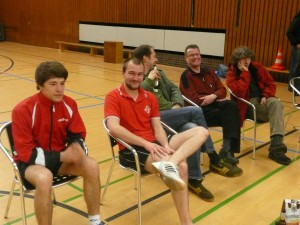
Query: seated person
(49, 134)
(202, 86)
(181, 118)
(251, 81)
(132, 114)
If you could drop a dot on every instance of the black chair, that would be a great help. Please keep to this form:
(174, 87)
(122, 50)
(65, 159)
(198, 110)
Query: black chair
(7, 148)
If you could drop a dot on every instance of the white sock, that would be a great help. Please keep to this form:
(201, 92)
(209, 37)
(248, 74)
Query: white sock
(94, 220)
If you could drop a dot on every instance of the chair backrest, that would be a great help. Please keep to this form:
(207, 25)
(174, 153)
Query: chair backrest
(6, 142)
(292, 84)
(114, 141)
(248, 103)
(296, 91)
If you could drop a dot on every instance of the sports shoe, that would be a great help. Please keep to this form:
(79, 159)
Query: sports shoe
(280, 158)
(228, 157)
(277, 145)
(226, 169)
(169, 174)
(197, 187)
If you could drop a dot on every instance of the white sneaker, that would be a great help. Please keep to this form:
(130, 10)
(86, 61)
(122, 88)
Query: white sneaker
(169, 174)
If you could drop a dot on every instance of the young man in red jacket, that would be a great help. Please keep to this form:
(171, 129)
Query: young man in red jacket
(49, 135)
(251, 81)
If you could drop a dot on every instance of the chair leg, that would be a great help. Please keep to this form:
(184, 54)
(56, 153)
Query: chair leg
(139, 202)
(11, 193)
(202, 158)
(254, 141)
(53, 197)
(23, 206)
(243, 131)
(107, 180)
(289, 116)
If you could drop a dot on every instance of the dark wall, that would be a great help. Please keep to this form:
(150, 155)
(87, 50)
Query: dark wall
(258, 24)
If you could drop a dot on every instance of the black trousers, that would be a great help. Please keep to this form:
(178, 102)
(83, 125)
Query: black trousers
(226, 115)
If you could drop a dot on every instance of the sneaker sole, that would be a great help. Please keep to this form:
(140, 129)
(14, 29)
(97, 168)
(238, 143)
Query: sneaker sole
(171, 182)
(286, 163)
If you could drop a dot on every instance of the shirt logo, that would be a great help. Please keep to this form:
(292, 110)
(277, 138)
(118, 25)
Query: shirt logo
(62, 120)
(147, 109)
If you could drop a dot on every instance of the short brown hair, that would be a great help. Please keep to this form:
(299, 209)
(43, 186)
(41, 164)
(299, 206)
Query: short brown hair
(134, 60)
(191, 46)
(47, 70)
(141, 51)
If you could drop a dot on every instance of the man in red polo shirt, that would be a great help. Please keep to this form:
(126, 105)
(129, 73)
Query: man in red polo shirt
(132, 114)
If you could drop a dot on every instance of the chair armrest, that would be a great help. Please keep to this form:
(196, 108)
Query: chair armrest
(292, 84)
(189, 101)
(242, 99)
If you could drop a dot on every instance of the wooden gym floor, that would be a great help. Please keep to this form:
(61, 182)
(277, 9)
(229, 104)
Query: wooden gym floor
(253, 198)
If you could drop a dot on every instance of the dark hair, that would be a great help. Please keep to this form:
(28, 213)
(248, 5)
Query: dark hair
(47, 70)
(134, 60)
(191, 46)
(239, 53)
(141, 51)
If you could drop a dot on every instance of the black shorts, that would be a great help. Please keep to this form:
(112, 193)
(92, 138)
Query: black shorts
(53, 167)
(126, 158)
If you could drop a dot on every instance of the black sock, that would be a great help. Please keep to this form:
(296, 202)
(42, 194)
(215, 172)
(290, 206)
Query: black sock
(226, 144)
(213, 157)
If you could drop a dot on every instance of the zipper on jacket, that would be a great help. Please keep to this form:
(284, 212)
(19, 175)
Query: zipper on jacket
(52, 110)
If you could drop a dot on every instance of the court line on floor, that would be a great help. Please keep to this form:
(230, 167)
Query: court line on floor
(66, 89)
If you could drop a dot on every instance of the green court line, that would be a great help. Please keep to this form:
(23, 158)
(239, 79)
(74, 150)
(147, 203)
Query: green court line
(19, 219)
(73, 198)
(215, 208)
(75, 187)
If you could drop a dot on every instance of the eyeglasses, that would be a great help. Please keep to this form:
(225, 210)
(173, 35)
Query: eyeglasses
(193, 55)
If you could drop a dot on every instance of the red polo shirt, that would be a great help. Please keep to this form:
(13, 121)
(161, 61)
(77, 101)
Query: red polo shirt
(134, 115)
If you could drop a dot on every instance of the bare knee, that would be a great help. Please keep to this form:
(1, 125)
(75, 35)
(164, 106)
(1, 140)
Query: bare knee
(202, 132)
(91, 167)
(40, 177)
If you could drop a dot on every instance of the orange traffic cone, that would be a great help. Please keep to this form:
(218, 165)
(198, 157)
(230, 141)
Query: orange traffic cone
(278, 62)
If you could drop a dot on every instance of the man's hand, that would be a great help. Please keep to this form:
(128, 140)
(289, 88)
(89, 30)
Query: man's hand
(241, 66)
(208, 99)
(154, 75)
(263, 100)
(176, 106)
(157, 152)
